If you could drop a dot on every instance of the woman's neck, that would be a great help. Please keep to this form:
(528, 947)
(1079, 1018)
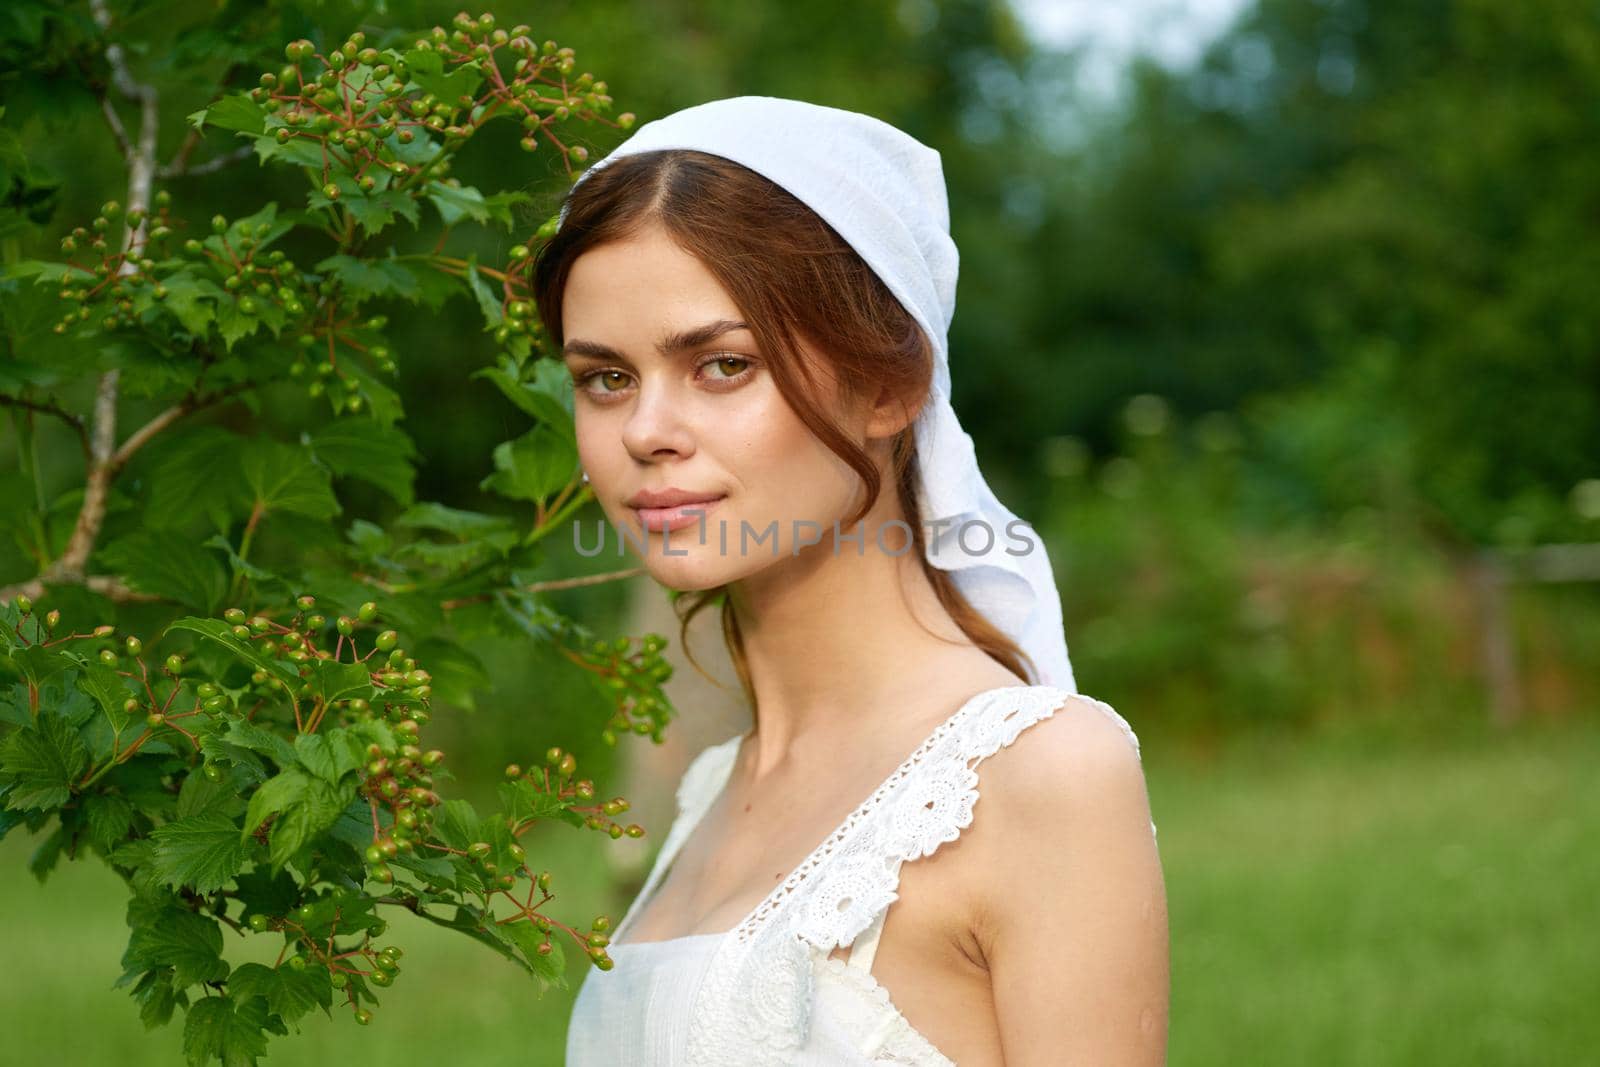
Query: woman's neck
(836, 641)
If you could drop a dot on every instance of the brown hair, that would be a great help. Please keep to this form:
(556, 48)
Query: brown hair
(791, 276)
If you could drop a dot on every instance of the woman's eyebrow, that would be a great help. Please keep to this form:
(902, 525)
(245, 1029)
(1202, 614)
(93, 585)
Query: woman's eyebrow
(693, 337)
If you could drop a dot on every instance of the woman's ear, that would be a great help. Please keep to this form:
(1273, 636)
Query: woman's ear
(889, 413)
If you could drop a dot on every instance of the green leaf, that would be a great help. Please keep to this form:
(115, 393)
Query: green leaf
(110, 818)
(198, 473)
(193, 301)
(382, 401)
(500, 204)
(167, 564)
(330, 755)
(426, 71)
(40, 763)
(165, 935)
(463, 524)
(457, 824)
(267, 892)
(288, 992)
(522, 800)
(274, 795)
(547, 397)
(203, 851)
(233, 112)
(376, 454)
(200, 794)
(551, 968)
(376, 210)
(534, 466)
(488, 303)
(156, 998)
(233, 324)
(248, 735)
(221, 751)
(219, 631)
(457, 202)
(45, 857)
(108, 689)
(331, 680)
(137, 858)
(372, 277)
(238, 564)
(305, 807)
(37, 663)
(285, 478)
(217, 1029)
(318, 810)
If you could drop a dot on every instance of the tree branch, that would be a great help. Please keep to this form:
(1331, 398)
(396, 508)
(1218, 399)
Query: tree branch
(114, 120)
(187, 405)
(103, 437)
(75, 421)
(107, 585)
(210, 166)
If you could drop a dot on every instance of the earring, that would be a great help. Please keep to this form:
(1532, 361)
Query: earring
(585, 477)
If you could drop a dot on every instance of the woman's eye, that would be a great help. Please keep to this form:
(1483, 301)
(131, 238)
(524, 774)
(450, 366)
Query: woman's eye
(723, 370)
(605, 377)
(721, 363)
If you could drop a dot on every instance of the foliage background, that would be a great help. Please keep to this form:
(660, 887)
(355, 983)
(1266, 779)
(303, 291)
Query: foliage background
(1272, 352)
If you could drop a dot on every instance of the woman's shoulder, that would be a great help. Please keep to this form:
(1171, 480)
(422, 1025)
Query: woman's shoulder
(1067, 785)
(1072, 749)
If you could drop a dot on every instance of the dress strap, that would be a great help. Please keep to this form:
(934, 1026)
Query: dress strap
(865, 948)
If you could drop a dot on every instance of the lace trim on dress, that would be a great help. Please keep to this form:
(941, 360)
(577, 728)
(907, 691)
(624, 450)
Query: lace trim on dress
(754, 1005)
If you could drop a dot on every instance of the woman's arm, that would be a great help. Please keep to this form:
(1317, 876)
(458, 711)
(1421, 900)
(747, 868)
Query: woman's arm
(1074, 924)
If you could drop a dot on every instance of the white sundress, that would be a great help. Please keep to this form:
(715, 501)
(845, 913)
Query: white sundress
(767, 991)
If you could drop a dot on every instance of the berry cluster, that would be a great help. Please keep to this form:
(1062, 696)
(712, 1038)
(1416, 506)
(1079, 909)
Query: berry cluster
(290, 659)
(361, 109)
(634, 681)
(119, 279)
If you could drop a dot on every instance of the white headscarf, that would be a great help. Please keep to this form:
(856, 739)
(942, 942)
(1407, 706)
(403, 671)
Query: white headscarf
(883, 191)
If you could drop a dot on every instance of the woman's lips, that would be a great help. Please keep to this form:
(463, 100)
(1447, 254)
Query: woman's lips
(676, 517)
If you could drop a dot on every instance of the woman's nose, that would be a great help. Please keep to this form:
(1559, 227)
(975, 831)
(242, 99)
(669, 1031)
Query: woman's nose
(657, 426)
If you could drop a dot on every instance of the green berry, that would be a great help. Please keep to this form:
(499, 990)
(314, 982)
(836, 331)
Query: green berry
(260, 923)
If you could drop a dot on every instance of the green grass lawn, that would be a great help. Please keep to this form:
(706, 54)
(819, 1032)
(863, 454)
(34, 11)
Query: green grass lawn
(1332, 902)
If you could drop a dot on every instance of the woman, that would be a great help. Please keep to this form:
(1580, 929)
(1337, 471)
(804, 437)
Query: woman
(752, 297)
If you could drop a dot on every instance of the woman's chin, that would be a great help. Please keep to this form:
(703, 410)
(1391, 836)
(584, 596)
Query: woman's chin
(699, 568)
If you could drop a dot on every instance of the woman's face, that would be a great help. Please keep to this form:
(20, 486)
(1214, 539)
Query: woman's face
(671, 393)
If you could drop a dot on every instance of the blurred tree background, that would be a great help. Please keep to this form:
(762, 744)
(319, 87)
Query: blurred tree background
(1288, 355)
